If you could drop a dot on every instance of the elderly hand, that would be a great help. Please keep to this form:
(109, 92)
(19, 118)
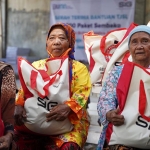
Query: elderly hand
(58, 113)
(5, 141)
(19, 115)
(113, 117)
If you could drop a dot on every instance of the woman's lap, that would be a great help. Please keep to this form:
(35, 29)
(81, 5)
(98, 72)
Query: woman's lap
(35, 142)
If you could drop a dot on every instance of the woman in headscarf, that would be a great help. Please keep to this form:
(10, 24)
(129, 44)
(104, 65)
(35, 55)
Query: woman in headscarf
(60, 42)
(7, 106)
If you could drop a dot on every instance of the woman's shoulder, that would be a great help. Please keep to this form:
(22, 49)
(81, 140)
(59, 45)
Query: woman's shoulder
(39, 63)
(79, 64)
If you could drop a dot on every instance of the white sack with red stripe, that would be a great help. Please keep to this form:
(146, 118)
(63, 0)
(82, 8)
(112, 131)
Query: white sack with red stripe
(133, 92)
(44, 91)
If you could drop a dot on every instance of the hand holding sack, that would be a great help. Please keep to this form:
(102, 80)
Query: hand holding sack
(43, 90)
(134, 103)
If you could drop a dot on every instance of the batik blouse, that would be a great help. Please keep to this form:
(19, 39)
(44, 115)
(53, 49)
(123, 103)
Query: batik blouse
(107, 101)
(8, 94)
(80, 89)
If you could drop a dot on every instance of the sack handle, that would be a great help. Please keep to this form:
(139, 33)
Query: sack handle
(43, 73)
(106, 52)
(142, 101)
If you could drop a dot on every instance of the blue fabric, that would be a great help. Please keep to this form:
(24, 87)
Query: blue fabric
(107, 101)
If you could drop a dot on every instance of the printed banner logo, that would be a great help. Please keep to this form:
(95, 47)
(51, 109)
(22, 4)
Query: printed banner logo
(125, 3)
(61, 6)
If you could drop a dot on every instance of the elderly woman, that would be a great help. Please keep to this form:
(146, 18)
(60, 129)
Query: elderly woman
(60, 42)
(110, 115)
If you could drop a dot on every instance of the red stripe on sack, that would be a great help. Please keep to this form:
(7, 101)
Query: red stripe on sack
(142, 101)
(33, 78)
(103, 43)
(27, 93)
(124, 84)
(44, 75)
(51, 81)
(109, 132)
(92, 62)
(125, 57)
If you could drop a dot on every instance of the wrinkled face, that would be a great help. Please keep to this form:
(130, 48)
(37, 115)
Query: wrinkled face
(57, 42)
(140, 47)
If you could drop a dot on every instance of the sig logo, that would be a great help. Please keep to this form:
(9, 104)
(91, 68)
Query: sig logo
(61, 6)
(142, 123)
(46, 103)
(125, 4)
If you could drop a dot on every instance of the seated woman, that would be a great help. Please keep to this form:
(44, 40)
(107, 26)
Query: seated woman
(109, 113)
(7, 106)
(60, 43)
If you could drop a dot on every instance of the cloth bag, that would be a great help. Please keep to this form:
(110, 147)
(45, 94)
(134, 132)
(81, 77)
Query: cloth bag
(133, 93)
(121, 54)
(43, 90)
(100, 50)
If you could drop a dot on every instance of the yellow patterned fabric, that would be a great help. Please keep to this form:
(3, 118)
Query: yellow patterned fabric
(80, 89)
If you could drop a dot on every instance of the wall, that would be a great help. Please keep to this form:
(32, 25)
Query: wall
(139, 17)
(28, 23)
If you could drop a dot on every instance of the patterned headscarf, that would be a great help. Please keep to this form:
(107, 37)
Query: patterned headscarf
(70, 35)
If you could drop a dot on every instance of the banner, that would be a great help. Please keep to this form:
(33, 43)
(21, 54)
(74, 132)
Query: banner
(99, 16)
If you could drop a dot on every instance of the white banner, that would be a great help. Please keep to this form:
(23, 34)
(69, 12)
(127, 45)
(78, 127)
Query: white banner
(99, 16)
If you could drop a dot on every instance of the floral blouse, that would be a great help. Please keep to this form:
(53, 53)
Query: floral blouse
(107, 101)
(80, 89)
